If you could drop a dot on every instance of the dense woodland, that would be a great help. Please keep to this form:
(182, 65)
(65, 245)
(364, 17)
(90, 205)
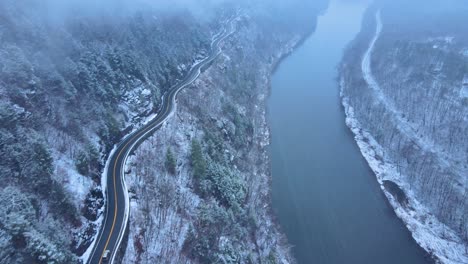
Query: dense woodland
(70, 84)
(418, 113)
(75, 78)
(215, 208)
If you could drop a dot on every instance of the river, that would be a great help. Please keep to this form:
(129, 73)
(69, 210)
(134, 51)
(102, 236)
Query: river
(327, 199)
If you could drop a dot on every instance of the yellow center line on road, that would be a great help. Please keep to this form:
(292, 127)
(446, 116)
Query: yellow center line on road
(171, 96)
(114, 180)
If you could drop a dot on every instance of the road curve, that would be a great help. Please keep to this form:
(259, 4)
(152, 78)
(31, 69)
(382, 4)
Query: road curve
(117, 200)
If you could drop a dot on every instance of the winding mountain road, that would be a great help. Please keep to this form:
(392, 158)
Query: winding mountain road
(117, 199)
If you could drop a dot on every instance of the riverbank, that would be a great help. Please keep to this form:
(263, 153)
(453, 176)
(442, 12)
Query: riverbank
(228, 207)
(322, 187)
(382, 149)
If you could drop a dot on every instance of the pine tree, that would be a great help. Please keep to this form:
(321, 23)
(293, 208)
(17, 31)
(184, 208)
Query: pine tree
(170, 162)
(82, 163)
(198, 162)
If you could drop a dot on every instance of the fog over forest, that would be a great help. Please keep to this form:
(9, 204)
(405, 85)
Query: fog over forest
(77, 77)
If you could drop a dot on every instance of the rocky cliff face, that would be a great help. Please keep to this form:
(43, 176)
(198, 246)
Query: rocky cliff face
(403, 87)
(76, 77)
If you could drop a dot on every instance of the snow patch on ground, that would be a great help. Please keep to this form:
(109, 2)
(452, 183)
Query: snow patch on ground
(136, 102)
(441, 42)
(76, 184)
(62, 151)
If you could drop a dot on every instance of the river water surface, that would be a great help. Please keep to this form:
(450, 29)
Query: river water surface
(326, 197)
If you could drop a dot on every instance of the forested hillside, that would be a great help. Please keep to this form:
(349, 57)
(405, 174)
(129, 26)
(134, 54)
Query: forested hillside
(71, 81)
(406, 99)
(207, 169)
(76, 76)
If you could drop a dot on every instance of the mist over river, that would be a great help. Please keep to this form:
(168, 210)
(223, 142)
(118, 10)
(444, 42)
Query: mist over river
(327, 199)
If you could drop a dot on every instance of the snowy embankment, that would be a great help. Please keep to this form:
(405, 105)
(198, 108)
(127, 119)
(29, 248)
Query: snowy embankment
(100, 221)
(432, 235)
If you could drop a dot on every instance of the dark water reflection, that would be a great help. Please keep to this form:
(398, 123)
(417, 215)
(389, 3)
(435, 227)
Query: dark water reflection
(326, 198)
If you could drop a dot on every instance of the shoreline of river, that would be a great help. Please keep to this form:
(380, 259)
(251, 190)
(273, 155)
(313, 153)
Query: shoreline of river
(299, 226)
(288, 48)
(391, 198)
(404, 205)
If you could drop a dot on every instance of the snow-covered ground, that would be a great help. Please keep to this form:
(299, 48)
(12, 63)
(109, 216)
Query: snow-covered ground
(434, 236)
(406, 127)
(133, 108)
(151, 210)
(160, 219)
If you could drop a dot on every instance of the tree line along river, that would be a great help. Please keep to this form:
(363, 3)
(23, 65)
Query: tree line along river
(327, 199)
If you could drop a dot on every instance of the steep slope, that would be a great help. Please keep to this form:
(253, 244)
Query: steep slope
(404, 94)
(71, 84)
(78, 75)
(200, 185)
